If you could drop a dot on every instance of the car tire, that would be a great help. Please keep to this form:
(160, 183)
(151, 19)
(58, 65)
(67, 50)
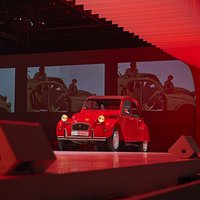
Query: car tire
(99, 146)
(113, 143)
(64, 145)
(143, 146)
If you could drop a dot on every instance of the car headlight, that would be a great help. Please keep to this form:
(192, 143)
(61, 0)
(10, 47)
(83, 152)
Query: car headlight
(101, 118)
(64, 118)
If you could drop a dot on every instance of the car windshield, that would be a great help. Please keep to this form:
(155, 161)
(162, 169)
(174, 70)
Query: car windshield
(102, 104)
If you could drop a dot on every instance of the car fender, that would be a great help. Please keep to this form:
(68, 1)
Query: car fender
(175, 102)
(59, 129)
(144, 132)
(62, 128)
(110, 124)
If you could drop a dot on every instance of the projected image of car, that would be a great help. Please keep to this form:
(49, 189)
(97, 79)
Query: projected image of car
(110, 122)
(150, 93)
(53, 96)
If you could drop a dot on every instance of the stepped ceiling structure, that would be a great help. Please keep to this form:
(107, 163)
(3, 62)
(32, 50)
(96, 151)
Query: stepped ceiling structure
(28, 26)
(172, 25)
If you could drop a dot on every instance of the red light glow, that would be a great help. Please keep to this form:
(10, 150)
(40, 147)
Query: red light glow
(172, 25)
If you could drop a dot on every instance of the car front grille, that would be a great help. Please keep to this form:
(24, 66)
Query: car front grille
(80, 126)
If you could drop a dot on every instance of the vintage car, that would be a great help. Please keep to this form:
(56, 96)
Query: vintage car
(110, 122)
(53, 96)
(149, 92)
(5, 107)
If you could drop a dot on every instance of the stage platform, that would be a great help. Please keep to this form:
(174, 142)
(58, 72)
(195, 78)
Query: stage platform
(101, 175)
(79, 161)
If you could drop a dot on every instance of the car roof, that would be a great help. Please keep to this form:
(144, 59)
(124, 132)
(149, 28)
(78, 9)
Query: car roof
(112, 97)
(106, 97)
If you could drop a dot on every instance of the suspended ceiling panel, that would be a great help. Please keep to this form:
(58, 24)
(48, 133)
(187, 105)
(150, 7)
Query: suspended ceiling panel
(172, 25)
(58, 25)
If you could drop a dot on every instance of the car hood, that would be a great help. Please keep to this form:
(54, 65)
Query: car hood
(183, 97)
(175, 101)
(90, 116)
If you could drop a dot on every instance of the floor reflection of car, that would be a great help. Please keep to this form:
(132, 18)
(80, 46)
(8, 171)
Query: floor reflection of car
(53, 96)
(110, 122)
(149, 91)
(5, 107)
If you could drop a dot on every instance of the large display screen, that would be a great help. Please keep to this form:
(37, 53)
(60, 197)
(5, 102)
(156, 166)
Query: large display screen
(63, 88)
(158, 85)
(7, 90)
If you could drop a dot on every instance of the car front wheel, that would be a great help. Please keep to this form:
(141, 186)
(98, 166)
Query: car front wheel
(65, 145)
(113, 142)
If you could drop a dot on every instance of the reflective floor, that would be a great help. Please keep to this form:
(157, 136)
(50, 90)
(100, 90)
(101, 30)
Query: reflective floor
(77, 161)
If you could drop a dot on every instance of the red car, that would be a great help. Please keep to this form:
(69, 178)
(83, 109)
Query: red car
(110, 122)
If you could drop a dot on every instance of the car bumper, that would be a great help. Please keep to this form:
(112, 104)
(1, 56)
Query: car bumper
(82, 139)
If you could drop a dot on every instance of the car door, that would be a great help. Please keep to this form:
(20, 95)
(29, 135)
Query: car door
(137, 134)
(129, 122)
